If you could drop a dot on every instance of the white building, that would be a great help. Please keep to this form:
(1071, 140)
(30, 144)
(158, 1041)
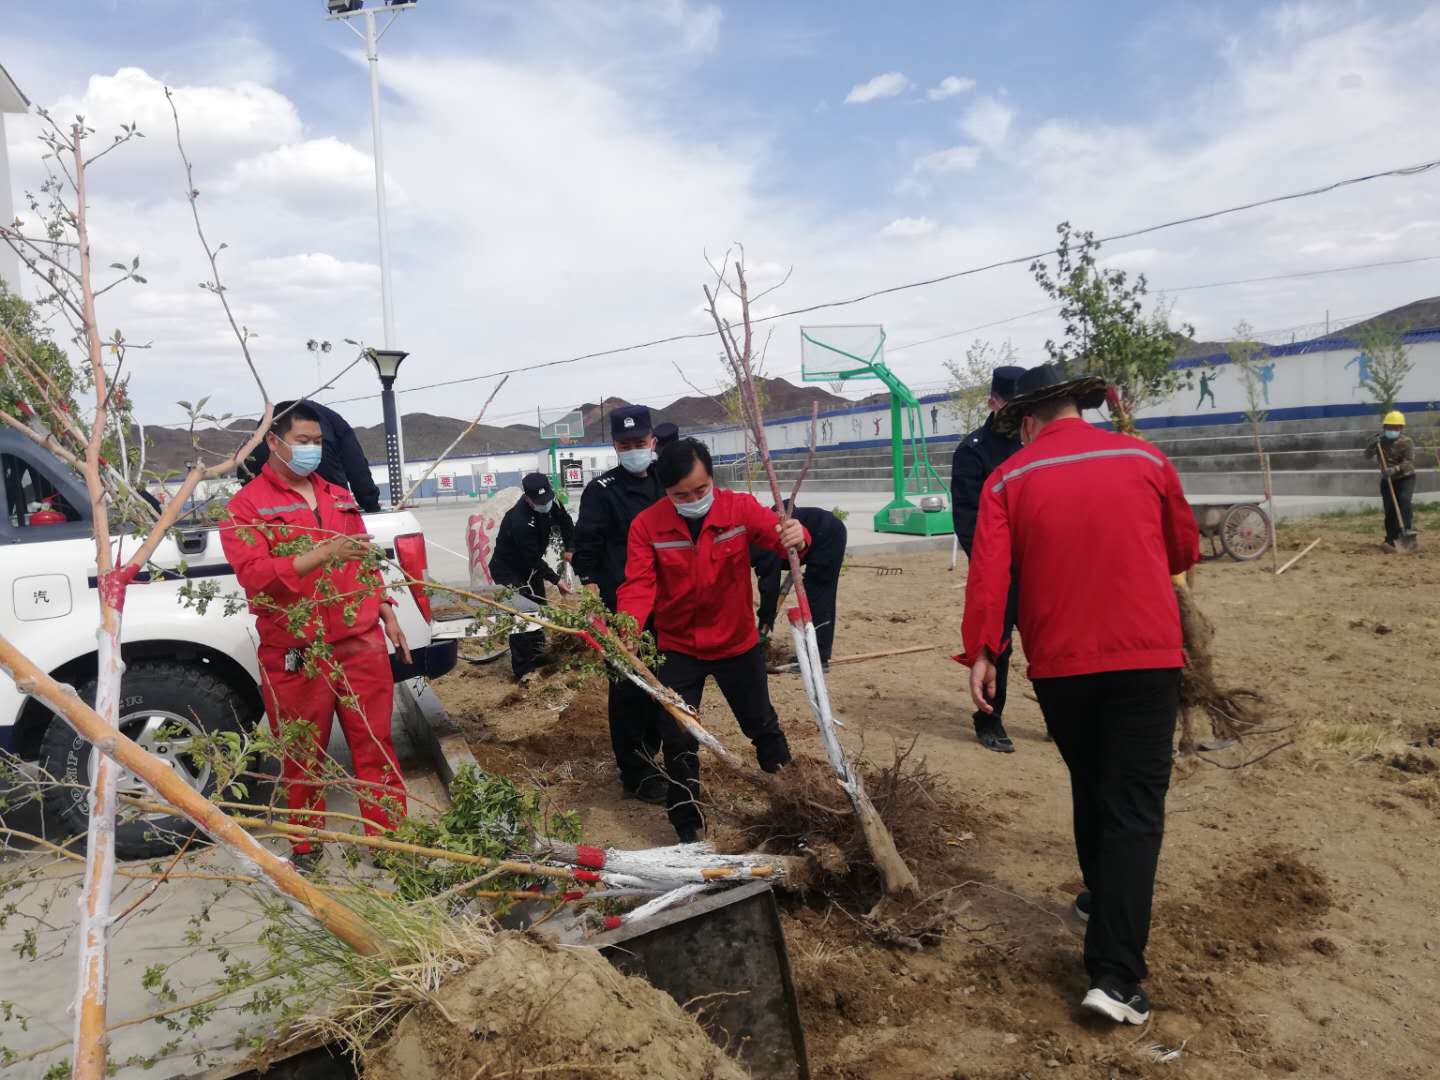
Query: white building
(11, 101)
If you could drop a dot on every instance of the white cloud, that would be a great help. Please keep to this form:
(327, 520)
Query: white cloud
(955, 159)
(988, 121)
(950, 86)
(574, 217)
(908, 228)
(891, 84)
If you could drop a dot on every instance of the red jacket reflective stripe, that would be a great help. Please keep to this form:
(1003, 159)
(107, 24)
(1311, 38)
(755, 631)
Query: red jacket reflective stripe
(1094, 524)
(699, 591)
(266, 513)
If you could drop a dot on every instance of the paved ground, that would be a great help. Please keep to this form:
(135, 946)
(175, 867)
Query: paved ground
(41, 989)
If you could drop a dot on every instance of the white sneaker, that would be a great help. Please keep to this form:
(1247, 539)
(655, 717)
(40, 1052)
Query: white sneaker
(1114, 1005)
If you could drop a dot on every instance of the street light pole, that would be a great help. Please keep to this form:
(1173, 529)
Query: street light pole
(387, 365)
(382, 215)
(393, 430)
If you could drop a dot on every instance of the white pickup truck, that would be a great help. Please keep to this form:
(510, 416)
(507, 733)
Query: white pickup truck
(185, 670)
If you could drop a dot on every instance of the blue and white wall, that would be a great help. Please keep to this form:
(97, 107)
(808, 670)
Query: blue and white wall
(1309, 380)
(1304, 381)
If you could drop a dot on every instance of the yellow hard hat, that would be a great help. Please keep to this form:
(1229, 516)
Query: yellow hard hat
(1394, 418)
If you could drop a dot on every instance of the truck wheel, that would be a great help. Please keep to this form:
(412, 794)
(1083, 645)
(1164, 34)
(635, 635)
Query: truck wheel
(162, 702)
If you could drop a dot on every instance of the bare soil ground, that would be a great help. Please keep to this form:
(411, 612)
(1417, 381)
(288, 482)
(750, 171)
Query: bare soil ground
(1297, 920)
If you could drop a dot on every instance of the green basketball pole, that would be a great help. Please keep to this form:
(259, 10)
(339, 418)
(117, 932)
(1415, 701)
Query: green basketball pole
(900, 515)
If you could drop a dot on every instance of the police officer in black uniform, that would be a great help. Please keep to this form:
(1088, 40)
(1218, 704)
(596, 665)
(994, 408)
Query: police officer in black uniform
(976, 457)
(823, 560)
(665, 434)
(519, 559)
(608, 505)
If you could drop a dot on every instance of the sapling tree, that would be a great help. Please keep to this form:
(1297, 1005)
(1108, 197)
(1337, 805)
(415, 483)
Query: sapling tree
(1107, 329)
(1388, 364)
(1249, 358)
(968, 390)
(738, 338)
(57, 248)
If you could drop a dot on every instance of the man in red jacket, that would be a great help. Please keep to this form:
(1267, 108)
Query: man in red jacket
(688, 563)
(297, 540)
(1093, 524)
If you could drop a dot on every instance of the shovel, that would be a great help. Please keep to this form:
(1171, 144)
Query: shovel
(1408, 537)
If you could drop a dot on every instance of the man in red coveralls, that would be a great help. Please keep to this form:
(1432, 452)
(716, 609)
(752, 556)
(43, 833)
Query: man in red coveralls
(688, 563)
(294, 538)
(1093, 524)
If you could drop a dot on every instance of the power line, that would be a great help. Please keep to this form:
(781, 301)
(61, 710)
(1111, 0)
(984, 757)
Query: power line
(1408, 170)
(1180, 288)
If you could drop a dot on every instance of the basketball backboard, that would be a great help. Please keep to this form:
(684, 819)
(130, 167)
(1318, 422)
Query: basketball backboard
(561, 425)
(832, 354)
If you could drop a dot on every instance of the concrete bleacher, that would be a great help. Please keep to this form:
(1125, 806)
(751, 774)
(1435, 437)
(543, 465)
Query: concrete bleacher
(1320, 457)
(1306, 457)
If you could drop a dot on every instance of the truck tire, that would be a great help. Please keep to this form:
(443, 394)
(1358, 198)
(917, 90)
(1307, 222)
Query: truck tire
(157, 697)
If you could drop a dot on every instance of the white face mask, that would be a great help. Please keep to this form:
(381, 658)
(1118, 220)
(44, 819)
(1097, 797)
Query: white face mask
(697, 509)
(636, 461)
(542, 507)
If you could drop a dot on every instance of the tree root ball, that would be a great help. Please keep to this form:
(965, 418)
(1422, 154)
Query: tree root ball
(1233, 711)
(531, 1008)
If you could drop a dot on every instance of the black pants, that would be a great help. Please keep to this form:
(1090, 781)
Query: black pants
(822, 583)
(743, 681)
(1115, 730)
(1002, 662)
(634, 733)
(527, 649)
(1403, 522)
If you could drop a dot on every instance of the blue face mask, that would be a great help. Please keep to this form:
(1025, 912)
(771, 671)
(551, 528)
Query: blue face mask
(1392, 434)
(305, 458)
(636, 461)
(542, 507)
(697, 509)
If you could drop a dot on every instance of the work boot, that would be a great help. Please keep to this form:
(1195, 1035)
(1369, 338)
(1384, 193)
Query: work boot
(772, 752)
(650, 790)
(990, 730)
(687, 834)
(1082, 906)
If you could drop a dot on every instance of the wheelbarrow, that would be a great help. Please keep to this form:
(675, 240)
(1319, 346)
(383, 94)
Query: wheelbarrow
(1238, 529)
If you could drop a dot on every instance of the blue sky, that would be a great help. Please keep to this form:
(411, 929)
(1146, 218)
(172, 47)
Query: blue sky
(558, 169)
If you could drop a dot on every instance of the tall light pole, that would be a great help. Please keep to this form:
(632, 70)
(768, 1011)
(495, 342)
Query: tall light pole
(347, 10)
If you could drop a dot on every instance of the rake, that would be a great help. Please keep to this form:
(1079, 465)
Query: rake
(880, 571)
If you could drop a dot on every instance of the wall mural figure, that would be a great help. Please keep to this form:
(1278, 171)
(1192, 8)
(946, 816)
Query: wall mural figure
(1362, 364)
(1267, 376)
(1207, 382)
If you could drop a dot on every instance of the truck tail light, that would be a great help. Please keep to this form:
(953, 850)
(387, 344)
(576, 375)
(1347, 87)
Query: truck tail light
(414, 560)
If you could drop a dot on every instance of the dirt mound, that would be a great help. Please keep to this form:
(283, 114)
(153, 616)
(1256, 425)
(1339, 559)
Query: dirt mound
(808, 813)
(1259, 914)
(532, 1009)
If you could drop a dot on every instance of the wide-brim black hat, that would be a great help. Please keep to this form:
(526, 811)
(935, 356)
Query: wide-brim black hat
(1047, 382)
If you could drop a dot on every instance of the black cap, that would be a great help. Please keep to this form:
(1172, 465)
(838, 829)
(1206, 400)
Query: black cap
(1003, 380)
(537, 486)
(665, 433)
(629, 422)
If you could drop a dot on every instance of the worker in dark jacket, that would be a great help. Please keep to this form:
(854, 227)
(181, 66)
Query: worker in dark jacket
(608, 505)
(519, 560)
(342, 460)
(976, 457)
(1094, 525)
(822, 574)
